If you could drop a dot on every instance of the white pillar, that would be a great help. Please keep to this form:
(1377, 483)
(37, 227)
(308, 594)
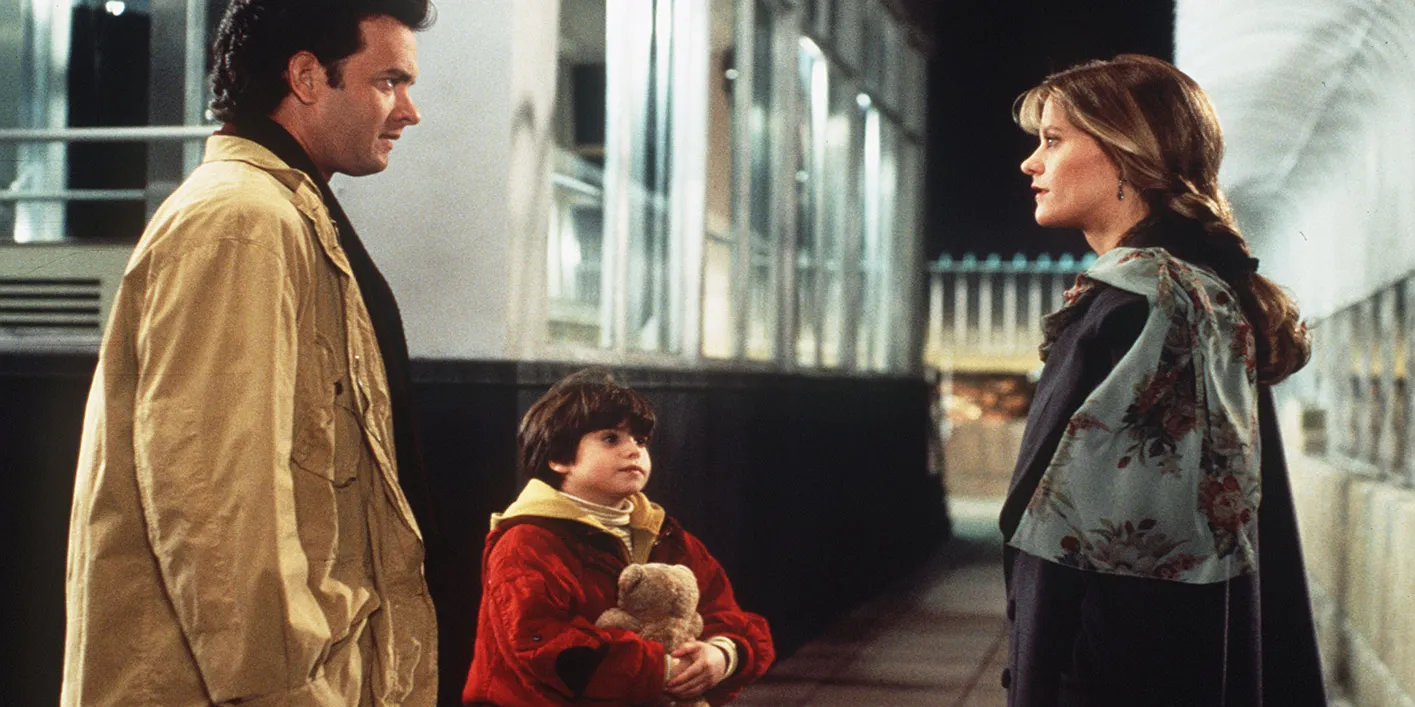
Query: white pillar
(1009, 310)
(985, 325)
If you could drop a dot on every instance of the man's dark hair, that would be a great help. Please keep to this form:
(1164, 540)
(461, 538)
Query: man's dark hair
(257, 38)
(580, 403)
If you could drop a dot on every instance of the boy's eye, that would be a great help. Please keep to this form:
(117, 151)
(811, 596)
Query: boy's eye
(611, 438)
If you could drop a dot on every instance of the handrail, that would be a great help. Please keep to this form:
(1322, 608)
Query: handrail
(576, 185)
(136, 133)
(74, 195)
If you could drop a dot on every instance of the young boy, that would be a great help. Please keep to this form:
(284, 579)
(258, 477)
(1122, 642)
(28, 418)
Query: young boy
(552, 562)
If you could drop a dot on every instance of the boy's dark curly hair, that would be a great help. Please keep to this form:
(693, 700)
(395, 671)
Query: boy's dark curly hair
(257, 38)
(580, 403)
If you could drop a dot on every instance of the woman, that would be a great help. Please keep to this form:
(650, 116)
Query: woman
(1151, 471)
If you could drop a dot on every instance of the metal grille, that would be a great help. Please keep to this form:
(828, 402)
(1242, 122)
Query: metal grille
(37, 306)
(56, 296)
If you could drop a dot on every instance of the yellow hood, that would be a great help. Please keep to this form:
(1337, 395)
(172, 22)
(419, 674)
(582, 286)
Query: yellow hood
(542, 500)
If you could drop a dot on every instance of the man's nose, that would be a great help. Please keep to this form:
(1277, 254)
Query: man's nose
(408, 112)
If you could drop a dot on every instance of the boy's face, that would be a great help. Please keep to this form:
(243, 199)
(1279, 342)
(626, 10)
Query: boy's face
(610, 465)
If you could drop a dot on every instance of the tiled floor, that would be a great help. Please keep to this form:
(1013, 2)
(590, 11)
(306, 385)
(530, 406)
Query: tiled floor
(938, 640)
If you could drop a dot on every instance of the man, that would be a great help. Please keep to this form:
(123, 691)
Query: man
(239, 534)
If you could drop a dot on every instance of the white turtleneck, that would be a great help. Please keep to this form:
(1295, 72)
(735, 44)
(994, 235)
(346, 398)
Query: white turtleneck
(615, 519)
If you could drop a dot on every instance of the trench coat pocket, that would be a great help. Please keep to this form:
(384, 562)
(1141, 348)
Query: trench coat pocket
(317, 378)
(320, 478)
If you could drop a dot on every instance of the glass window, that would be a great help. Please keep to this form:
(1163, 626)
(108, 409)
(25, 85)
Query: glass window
(892, 67)
(878, 307)
(628, 208)
(642, 95)
(915, 88)
(76, 157)
(813, 111)
(761, 272)
(841, 218)
(848, 20)
(720, 314)
(575, 252)
(820, 18)
(872, 58)
(907, 281)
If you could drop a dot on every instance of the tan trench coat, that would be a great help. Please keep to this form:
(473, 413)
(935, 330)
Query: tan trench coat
(238, 531)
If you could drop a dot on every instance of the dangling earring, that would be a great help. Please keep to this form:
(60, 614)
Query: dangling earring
(1120, 191)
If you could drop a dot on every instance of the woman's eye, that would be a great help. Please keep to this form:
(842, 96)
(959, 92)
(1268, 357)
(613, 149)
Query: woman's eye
(1050, 141)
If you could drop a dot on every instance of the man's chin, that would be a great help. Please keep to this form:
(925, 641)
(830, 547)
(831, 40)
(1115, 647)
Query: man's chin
(365, 170)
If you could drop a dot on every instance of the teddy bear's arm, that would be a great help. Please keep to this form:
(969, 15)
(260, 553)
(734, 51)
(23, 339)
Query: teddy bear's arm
(619, 618)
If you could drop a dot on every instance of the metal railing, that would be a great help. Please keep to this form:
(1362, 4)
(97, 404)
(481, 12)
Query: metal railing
(138, 133)
(144, 133)
(986, 315)
(1355, 395)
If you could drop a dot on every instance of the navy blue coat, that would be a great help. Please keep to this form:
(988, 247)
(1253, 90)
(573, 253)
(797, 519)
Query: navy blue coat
(1086, 638)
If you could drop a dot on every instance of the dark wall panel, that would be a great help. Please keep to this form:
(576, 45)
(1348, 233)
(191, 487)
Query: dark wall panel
(41, 414)
(812, 491)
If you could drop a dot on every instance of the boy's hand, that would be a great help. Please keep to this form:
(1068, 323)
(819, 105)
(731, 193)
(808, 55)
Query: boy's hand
(699, 667)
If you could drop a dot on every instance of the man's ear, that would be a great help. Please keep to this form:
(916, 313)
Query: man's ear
(304, 73)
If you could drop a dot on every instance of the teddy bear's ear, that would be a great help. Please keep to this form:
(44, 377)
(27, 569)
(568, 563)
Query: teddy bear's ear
(630, 578)
(684, 573)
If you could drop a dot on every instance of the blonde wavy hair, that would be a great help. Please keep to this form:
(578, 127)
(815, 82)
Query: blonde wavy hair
(1160, 129)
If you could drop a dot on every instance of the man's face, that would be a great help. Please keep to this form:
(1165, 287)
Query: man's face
(358, 121)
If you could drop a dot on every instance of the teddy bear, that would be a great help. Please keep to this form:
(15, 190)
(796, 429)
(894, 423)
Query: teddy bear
(659, 602)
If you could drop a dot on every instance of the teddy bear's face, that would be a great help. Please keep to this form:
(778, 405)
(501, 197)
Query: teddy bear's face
(656, 589)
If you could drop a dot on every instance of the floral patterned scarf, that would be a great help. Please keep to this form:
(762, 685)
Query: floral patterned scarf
(1157, 473)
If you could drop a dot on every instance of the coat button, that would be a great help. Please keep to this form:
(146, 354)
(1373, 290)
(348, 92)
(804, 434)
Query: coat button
(535, 639)
(1006, 678)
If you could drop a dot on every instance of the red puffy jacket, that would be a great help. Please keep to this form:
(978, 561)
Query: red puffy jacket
(546, 578)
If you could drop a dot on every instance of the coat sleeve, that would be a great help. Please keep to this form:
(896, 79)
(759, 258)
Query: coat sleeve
(216, 351)
(535, 626)
(723, 617)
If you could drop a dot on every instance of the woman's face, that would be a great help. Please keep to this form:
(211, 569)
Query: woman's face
(1074, 182)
